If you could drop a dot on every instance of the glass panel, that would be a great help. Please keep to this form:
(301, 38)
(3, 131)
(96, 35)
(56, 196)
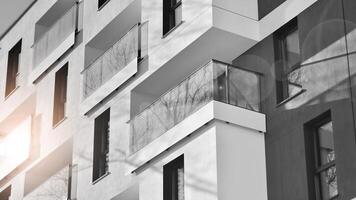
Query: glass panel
(219, 78)
(294, 82)
(326, 143)
(244, 89)
(328, 182)
(178, 15)
(172, 107)
(208, 83)
(180, 182)
(56, 34)
(144, 40)
(292, 54)
(56, 187)
(111, 62)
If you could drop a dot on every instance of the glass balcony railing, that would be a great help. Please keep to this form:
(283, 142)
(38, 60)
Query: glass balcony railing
(132, 45)
(55, 35)
(55, 187)
(215, 81)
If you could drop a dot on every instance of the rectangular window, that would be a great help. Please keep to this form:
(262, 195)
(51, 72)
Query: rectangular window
(6, 193)
(287, 55)
(13, 68)
(325, 162)
(173, 179)
(101, 145)
(60, 94)
(321, 152)
(101, 3)
(172, 14)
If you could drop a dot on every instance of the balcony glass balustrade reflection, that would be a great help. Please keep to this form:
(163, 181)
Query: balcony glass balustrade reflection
(214, 81)
(55, 35)
(132, 45)
(55, 187)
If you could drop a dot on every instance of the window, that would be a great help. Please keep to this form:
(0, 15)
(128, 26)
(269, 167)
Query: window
(287, 53)
(322, 167)
(101, 145)
(172, 14)
(102, 3)
(173, 179)
(60, 94)
(13, 68)
(325, 162)
(6, 193)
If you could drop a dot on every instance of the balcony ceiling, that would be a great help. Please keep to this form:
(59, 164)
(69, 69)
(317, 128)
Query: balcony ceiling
(10, 12)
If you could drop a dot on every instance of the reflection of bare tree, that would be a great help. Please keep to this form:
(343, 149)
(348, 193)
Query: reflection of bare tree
(208, 83)
(172, 107)
(55, 188)
(112, 61)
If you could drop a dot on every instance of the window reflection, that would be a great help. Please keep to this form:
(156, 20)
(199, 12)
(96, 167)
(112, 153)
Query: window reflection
(326, 168)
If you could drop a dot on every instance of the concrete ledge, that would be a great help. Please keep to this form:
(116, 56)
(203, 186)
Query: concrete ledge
(213, 110)
(108, 87)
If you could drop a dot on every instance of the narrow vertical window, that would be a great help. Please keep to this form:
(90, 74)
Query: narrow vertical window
(172, 14)
(13, 68)
(320, 153)
(101, 145)
(6, 193)
(325, 171)
(101, 3)
(173, 179)
(60, 94)
(287, 53)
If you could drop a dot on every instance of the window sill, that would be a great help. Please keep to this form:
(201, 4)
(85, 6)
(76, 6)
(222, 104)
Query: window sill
(101, 178)
(172, 29)
(59, 123)
(102, 6)
(12, 92)
(290, 98)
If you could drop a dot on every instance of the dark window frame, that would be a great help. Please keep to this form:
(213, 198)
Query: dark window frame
(170, 178)
(13, 65)
(60, 95)
(314, 166)
(101, 146)
(169, 16)
(281, 74)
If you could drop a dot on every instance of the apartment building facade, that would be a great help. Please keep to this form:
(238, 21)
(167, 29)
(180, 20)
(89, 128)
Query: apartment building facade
(178, 99)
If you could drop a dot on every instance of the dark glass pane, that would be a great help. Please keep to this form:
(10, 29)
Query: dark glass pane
(219, 79)
(328, 183)
(60, 94)
(101, 145)
(173, 174)
(292, 50)
(326, 143)
(12, 68)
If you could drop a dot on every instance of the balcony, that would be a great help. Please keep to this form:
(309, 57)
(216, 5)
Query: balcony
(215, 81)
(115, 59)
(115, 65)
(51, 177)
(55, 34)
(56, 186)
